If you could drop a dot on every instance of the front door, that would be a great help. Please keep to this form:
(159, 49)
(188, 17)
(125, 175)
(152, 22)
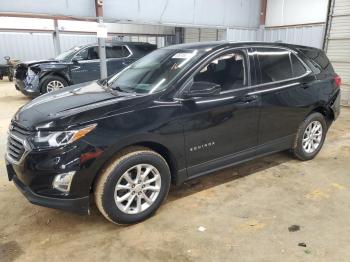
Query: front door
(85, 65)
(221, 128)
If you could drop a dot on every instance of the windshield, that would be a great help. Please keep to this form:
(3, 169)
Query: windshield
(67, 55)
(154, 72)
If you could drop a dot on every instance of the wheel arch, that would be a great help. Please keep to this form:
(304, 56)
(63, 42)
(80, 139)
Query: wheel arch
(155, 146)
(52, 74)
(326, 112)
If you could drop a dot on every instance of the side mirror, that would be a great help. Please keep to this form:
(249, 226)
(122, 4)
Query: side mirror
(75, 61)
(77, 58)
(203, 89)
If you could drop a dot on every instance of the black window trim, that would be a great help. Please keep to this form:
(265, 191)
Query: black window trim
(86, 61)
(178, 95)
(291, 62)
(97, 60)
(209, 58)
(125, 46)
(308, 71)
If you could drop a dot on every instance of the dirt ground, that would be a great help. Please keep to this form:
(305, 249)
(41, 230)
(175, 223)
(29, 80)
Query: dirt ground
(258, 211)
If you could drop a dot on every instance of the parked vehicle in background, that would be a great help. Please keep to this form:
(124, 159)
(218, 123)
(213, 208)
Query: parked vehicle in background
(8, 68)
(76, 65)
(178, 113)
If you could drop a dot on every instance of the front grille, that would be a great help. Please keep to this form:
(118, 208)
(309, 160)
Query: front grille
(20, 130)
(15, 148)
(16, 141)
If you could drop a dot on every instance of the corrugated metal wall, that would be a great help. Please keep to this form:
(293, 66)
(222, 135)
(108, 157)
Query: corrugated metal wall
(338, 44)
(203, 34)
(69, 40)
(35, 46)
(311, 35)
(237, 34)
(26, 46)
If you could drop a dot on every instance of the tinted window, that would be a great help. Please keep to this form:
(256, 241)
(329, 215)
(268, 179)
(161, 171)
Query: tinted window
(155, 71)
(298, 68)
(90, 53)
(146, 48)
(274, 64)
(226, 71)
(318, 60)
(116, 51)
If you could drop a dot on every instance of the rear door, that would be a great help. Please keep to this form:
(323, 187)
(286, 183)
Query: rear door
(118, 57)
(287, 92)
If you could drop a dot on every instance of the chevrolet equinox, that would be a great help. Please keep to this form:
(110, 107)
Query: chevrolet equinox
(178, 113)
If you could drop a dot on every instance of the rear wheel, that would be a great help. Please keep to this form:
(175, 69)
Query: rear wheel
(53, 83)
(310, 137)
(133, 186)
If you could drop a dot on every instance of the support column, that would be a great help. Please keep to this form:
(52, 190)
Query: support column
(56, 38)
(101, 40)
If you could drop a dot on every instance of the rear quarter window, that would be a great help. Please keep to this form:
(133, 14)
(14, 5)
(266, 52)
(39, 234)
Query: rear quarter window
(317, 60)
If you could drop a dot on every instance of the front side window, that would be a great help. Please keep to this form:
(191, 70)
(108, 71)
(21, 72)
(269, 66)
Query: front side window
(274, 64)
(154, 72)
(68, 54)
(90, 53)
(228, 71)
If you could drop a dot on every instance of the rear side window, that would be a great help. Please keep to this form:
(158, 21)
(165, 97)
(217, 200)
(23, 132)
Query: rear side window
(116, 52)
(317, 60)
(274, 64)
(145, 48)
(298, 67)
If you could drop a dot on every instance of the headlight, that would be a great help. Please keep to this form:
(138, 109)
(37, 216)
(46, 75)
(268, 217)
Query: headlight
(30, 73)
(46, 139)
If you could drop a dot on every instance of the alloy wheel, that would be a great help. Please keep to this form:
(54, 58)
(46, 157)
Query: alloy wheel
(312, 137)
(54, 85)
(137, 189)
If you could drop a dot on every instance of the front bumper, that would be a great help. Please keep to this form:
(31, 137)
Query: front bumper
(335, 105)
(31, 89)
(78, 205)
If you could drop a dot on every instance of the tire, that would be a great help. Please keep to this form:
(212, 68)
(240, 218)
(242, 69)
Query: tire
(114, 174)
(304, 150)
(48, 80)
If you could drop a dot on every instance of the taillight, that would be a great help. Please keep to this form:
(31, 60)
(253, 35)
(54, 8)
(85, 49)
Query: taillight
(337, 80)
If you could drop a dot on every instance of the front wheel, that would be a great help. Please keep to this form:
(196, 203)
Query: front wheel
(52, 83)
(133, 186)
(310, 137)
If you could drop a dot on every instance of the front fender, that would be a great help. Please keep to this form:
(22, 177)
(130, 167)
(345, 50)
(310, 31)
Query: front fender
(61, 70)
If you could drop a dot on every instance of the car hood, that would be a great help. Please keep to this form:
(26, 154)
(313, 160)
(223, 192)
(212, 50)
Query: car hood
(37, 62)
(74, 105)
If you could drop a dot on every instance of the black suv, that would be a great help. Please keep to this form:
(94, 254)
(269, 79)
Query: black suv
(178, 113)
(76, 65)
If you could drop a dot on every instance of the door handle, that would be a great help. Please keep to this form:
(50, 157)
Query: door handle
(250, 98)
(304, 85)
